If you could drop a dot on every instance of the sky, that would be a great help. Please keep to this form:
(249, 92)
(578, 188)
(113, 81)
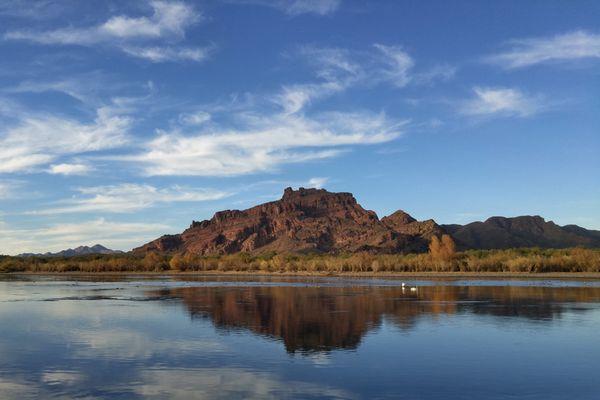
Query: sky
(124, 120)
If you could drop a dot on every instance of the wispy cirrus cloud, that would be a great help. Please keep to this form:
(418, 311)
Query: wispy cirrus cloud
(38, 140)
(164, 53)
(136, 36)
(340, 69)
(502, 102)
(257, 138)
(398, 64)
(571, 46)
(126, 198)
(297, 7)
(263, 144)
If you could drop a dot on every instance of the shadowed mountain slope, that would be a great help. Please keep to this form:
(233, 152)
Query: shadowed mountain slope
(524, 231)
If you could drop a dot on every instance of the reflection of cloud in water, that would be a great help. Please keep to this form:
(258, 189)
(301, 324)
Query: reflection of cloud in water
(227, 383)
(168, 348)
(125, 344)
(16, 389)
(67, 378)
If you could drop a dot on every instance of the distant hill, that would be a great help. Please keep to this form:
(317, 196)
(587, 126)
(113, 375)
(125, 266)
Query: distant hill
(523, 231)
(78, 251)
(315, 220)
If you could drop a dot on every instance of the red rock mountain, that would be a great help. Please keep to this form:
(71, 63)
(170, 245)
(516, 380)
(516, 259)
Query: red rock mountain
(315, 220)
(304, 220)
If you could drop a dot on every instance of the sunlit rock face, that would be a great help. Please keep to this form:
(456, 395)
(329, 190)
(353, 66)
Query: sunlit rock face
(315, 220)
(304, 220)
(313, 319)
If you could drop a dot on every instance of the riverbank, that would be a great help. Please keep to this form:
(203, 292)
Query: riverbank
(516, 262)
(398, 275)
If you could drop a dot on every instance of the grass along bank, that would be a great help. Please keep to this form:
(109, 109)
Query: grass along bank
(525, 260)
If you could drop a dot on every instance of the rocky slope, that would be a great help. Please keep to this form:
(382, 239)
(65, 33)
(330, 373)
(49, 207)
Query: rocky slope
(315, 220)
(524, 231)
(304, 220)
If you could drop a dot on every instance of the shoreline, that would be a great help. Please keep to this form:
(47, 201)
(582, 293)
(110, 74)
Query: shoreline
(386, 275)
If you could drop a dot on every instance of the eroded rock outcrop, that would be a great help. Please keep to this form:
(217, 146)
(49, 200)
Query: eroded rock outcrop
(304, 220)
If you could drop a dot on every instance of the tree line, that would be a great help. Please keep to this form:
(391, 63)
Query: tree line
(441, 257)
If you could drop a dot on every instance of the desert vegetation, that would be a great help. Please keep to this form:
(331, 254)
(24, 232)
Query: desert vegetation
(442, 257)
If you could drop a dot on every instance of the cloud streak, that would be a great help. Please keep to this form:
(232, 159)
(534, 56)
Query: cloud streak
(132, 35)
(501, 102)
(127, 198)
(340, 69)
(571, 46)
(297, 7)
(265, 143)
(39, 140)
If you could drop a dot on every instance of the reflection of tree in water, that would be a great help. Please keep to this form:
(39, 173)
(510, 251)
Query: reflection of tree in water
(326, 318)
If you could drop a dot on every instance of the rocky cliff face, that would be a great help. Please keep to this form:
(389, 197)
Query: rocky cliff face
(304, 220)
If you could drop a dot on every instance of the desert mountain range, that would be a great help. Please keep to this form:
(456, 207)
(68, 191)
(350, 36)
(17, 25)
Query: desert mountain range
(315, 220)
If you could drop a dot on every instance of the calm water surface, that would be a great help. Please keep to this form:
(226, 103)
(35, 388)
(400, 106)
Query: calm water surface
(226, 337)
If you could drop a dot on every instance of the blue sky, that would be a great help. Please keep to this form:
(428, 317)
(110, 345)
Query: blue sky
(124, 120)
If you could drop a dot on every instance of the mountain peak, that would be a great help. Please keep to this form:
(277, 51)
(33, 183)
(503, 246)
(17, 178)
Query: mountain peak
(304, 220)
(316, 220)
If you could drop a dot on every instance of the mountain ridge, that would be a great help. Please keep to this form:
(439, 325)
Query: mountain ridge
(77, 251)
(315, 220)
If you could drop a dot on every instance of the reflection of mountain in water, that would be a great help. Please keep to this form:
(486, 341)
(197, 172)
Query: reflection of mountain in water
(326, 318)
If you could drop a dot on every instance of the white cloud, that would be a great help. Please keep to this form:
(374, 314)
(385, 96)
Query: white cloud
(116, 235)
(169, 18)
(294, 98)
(39, 140)
(168, 21)
(265, 143)
(194, 119)
(127, 198)
(69, 169)
(398, 62)
(317, 182)
(162, 54)
(570, 46)
(334, 67)
(340, 69)
(501, 101)
(297, 7)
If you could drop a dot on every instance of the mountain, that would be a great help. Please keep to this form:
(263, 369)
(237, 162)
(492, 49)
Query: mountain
(78, 251)
(304, 220)
(523, 231)
(315, 220)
